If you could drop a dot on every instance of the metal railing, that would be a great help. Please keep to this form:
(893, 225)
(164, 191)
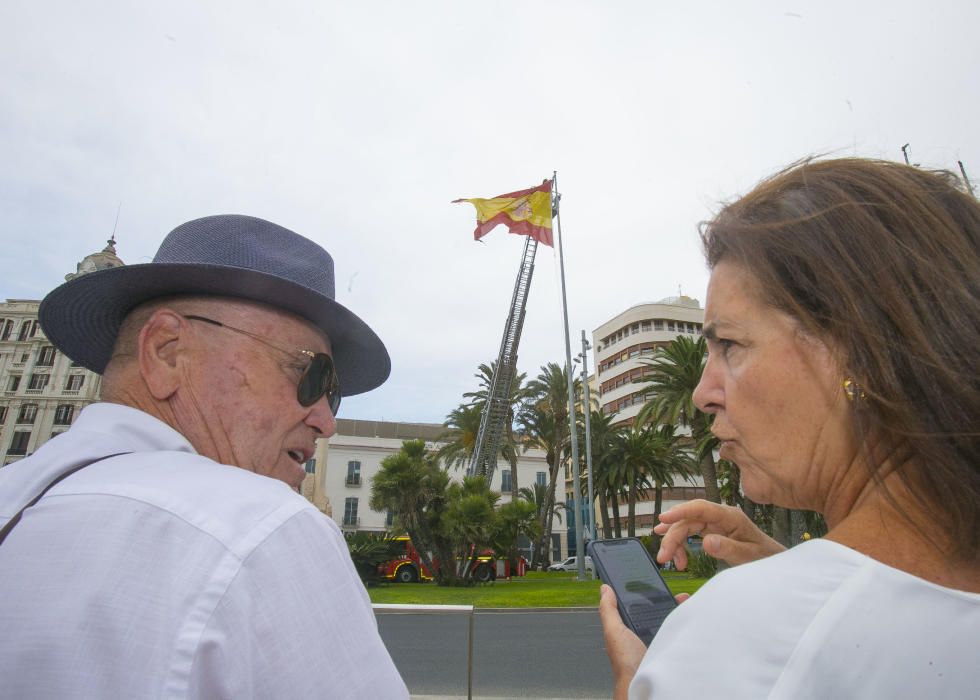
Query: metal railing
(441, 609)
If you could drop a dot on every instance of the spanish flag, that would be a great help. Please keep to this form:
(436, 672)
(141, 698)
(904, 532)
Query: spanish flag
(526, 212)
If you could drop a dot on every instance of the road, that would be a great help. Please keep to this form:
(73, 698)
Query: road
(517, 654)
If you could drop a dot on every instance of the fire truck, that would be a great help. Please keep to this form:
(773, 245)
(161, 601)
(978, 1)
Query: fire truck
(407, 566)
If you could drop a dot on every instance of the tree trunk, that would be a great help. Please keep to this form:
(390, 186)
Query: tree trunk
(618, 524)
(658, 501)
(748, 507)
(514, 489)
(797, 526)
(707, 464)
(604, 515)
(631, 513)
(781, 527)
(549, 517)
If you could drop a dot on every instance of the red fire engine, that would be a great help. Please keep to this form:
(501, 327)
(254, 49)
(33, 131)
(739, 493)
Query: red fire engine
(407, 566)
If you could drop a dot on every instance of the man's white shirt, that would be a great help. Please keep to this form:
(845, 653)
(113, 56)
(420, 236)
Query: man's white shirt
(161, 573)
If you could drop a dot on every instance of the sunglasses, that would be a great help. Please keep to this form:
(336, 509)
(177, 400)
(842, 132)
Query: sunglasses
(319, 378)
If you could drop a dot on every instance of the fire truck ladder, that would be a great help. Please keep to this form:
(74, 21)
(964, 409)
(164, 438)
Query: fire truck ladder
(496, 413)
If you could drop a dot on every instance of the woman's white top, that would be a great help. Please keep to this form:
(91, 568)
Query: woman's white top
(818, 621)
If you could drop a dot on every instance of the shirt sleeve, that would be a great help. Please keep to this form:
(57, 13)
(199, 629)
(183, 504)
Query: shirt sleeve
(295, 622)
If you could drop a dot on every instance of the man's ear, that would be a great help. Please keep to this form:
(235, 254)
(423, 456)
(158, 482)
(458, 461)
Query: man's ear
(159, 346)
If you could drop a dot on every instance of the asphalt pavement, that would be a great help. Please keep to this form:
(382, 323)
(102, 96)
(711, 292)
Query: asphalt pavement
(553, 653)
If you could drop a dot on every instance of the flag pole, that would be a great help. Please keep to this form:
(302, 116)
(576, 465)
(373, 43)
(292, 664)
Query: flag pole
(576, 481)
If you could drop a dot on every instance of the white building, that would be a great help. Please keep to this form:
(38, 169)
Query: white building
(41, 390)
(339, 483)
(621, 345)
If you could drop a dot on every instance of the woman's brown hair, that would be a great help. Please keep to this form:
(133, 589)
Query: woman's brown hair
(883, 261)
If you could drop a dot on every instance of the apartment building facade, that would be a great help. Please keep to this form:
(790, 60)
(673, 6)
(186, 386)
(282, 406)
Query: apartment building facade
(41, 390)
(622, 344)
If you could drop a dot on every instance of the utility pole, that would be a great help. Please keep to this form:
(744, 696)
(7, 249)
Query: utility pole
(576, 484)
(588, 435)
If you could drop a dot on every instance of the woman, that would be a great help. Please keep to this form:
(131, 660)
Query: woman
(843, 327)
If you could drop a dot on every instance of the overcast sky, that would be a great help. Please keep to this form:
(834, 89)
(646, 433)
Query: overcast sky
(356, 123)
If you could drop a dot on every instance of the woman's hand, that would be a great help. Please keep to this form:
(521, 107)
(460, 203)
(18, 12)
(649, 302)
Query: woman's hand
(624, 648)
(727, 532)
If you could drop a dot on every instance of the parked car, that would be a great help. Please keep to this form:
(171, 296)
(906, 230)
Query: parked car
(571, 564)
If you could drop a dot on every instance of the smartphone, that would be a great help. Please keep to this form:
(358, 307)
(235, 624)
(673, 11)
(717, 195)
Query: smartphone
(643, 596)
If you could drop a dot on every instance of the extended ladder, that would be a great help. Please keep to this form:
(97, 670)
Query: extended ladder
(496, 413)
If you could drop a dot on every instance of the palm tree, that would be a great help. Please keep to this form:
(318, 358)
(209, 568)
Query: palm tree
(602, 437)
(514, 519)
(633, 453)
(459, 440)
(544, 424)
(674, 375)
(539, 430)
(411, 485)
(670, 459)
(537, 496)
(469, 522)
(516, 393)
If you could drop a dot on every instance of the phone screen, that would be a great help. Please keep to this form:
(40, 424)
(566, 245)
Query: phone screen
(644, 598)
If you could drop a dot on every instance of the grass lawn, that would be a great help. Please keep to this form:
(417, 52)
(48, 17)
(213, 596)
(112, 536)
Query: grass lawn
(539, 589)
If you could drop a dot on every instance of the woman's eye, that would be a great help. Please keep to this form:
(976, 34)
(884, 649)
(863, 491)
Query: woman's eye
(725, 344)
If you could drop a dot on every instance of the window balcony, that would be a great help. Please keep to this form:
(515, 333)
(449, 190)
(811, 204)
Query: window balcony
(351, 522)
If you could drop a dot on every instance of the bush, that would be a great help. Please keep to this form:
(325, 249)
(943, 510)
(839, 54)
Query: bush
(368, 550)
(701, 565)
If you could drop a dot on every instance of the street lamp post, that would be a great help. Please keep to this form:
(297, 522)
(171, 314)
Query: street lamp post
(593, 532)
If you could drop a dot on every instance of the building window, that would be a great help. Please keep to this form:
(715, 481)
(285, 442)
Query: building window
(658, 325)
(645, 325)
(3, 414)
(390, 519)
(46, 357)
(350, 511)
(75, 382)
(8, 328)
(14, 383)
(28, 412)
(63, 414)
(311, 466)
(38, 382)
(670, 326)
(25, 329)
(18, 446)
(541, 479)
(353, 473)
(505, 481)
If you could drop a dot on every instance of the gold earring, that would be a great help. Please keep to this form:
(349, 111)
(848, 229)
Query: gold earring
(852, 390)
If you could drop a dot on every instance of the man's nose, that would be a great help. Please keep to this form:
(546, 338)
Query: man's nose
(321, 418)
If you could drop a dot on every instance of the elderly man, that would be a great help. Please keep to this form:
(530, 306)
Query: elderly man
(159, 548)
